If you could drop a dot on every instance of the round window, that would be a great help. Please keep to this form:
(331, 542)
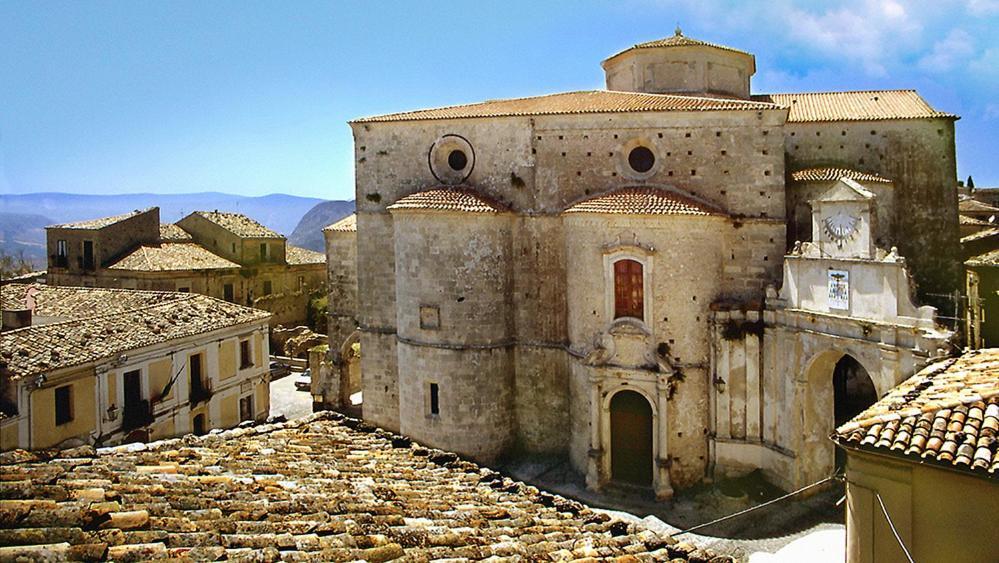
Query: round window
(641, 159)
(457, 160)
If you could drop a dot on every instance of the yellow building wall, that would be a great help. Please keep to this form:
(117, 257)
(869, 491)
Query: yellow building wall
(44, 432)
(9, 436)
(258, 351)
(229, 410)
(159, 376)
(940, 514)
(112, 380)
(201, 409)
(227, 359)
(163, 429)
(262, 399)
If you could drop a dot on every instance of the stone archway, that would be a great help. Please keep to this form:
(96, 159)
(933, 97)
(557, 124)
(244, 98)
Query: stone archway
(350, 372)
(631, 429)
(838, 387)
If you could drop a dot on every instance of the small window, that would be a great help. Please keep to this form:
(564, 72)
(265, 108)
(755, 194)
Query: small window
(61, 249)
(435, 402)
(63, 404)
(228, 294)
(268, 288)
(457, 160)
(246, 408)
(301, 283)
(263, 251)
(234, 248)
(629, 290)
(184, 289)
(245, 359)
(641, 159)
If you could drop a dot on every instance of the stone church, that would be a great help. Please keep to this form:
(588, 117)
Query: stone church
(665, 281)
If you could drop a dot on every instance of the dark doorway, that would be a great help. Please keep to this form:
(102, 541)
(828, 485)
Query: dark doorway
(199, 425)
(631, 439)
(854, 391)
(88, 255)
(134, 410)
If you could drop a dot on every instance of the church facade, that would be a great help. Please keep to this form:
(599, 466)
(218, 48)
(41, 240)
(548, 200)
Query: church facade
(649, 279)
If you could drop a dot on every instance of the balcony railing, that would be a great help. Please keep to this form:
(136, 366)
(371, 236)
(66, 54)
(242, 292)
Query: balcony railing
(200, 393)
(59, 261)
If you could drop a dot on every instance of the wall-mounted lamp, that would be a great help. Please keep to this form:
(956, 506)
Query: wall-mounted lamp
(39, 381)
(720, 384)
(112, 413)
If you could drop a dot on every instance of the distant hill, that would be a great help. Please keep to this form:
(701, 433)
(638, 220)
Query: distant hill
(309, 232)
(23, 217)
(278, 211)
(24, 233)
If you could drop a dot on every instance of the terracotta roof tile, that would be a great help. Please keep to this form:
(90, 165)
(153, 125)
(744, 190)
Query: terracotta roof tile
(990, 258)
(463, 200)
(969, 205)
(100, 223)
(870, 105)
(92, 324)
(591, 101)
(947, 413)
(965, 220)
(983, 234)
(678, 40)
(346, 225)
(833, 174)
(238, 224)
(172, 233)
(171, 256)
(322, 488)
(644, 201)
(296, 256)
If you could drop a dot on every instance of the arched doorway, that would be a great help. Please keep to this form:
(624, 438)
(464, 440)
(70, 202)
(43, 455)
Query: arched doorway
(853, 391)
(631, 438)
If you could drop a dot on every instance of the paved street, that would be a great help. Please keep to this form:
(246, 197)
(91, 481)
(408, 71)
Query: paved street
(287, 400)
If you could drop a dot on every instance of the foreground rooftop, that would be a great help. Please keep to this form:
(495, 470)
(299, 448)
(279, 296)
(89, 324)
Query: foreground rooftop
(947, 414)
(322, 488)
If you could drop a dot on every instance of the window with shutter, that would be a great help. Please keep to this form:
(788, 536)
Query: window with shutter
(629, 297)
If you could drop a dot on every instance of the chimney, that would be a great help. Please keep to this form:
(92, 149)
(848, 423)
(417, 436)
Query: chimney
(15, 318)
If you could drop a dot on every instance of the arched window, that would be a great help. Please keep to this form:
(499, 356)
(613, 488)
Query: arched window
(629, 295)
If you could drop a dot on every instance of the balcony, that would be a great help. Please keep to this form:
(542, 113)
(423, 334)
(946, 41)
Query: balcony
(59, 261)
(136, 415)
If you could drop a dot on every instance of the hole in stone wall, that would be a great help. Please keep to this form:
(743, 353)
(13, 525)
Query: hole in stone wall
(457, 160)
(641, 159)
(686, 135)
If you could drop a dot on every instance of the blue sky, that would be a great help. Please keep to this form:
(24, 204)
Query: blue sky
(253, 97)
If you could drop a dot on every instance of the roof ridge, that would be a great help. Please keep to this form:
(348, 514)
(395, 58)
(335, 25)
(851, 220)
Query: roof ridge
(840, 92)
(181, 297)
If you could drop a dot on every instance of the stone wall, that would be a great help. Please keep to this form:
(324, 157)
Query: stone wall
(918, 156)
(110, 243)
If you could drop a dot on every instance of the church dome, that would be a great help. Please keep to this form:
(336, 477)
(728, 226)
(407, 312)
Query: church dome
(681, 65)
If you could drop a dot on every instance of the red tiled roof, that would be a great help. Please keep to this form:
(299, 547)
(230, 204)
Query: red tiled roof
(296, 256)
(948, 413)
(975, 206)
(346, 225)
(644, 201)
(101, 222)
(464, 200)
(591, 101)
(172, 256)
(678, 40)
(833, 174)
(872, 105)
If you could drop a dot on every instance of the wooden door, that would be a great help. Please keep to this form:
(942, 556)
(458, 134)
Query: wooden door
(631, 439)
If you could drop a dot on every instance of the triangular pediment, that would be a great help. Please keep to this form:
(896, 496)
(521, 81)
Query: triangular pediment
(846, 189)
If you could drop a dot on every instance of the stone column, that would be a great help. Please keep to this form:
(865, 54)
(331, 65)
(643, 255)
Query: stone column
(594, 463)
(661, 481)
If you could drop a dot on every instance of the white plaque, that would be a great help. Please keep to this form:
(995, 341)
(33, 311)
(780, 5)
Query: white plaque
(839, 289)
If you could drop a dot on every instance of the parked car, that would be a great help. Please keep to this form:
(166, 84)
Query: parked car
(279, 370)
(303, 381)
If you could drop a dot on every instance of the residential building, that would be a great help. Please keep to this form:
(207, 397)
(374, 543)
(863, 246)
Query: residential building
(922, 466)
(103, 366)
(225, 255)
